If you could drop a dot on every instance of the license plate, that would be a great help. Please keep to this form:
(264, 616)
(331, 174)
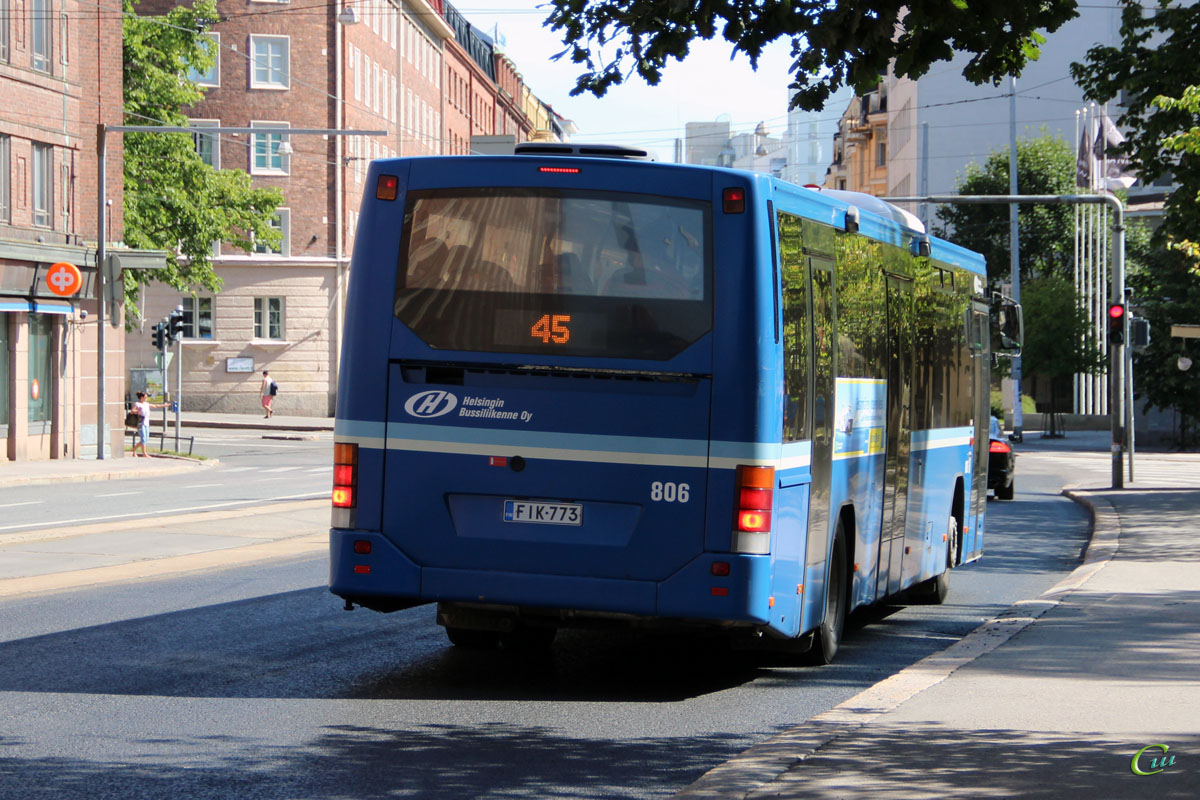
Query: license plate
(545, 513)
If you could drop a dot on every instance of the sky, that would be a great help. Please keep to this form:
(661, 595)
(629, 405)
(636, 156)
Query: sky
(703, 87)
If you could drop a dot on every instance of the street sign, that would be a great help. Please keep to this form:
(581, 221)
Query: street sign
(64, 279)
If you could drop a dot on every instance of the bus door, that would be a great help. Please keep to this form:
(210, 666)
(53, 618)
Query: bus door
(971, 542)
(824, 327)
(899, 430)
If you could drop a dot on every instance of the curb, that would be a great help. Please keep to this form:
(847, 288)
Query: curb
(763, 763)
(186, 465)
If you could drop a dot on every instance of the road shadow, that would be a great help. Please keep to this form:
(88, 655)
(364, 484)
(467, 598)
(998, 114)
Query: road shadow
(883, 761)
(428, 761)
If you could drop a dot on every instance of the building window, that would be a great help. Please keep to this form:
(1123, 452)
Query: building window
(41, 33)
(881, 154)
(5, 171)
(212, 75)
(270, 62)
(268, 318)
(41, 392)
(282, 223)
(197, 317)
(208, 145)
(42, 178)
(4, 52)
(265, 158)
(5, 370)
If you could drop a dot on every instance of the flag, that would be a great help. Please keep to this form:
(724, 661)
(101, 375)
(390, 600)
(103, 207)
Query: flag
(1084, 162)
(1117, 173)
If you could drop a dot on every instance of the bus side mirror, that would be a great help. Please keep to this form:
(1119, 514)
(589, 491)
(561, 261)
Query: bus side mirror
(1007, 326)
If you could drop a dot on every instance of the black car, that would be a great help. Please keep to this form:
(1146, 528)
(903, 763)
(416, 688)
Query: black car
(1001, 461)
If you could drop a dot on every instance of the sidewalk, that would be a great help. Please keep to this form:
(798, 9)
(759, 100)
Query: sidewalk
(124, 465)
(1052, 699)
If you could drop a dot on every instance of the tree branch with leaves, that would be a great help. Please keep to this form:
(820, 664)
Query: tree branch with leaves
(834, 44)
(173, 200)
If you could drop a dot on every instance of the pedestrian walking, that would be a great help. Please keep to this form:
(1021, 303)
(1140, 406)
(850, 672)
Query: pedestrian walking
(268, 390)
(142, 407)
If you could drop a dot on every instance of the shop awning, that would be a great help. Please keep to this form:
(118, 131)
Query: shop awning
(36, 306)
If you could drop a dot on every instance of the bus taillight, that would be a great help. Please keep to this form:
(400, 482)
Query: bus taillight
(345, 474)
(756, 499)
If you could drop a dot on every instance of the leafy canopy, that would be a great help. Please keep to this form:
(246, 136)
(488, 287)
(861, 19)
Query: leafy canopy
(1045, 233)
(835, 43)
(173, 200)
(1150, 72)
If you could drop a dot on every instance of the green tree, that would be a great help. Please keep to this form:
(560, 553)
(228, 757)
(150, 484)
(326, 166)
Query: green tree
(1059, 339)
(1165, 291)
(1046, 234)
(1155, 60)
(173, 200)
(848, 43)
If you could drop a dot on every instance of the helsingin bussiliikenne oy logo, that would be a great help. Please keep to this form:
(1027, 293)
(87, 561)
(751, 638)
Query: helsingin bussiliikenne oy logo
(433, 403)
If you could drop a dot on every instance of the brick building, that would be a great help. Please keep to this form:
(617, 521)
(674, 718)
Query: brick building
(60, 76)
(416, 69)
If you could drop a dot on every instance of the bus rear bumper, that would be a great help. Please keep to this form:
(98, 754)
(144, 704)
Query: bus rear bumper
(384, 578)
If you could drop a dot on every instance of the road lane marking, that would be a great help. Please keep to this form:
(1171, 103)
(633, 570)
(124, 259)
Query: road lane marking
(26, 503)
(117, 494)
(166, 511)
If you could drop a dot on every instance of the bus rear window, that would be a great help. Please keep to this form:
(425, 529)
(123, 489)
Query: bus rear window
(543, 271)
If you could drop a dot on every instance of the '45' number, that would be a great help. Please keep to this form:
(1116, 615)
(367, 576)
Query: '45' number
(552, 328)
(670, 492)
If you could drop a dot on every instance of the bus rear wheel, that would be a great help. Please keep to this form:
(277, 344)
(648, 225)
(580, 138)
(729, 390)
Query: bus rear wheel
(936, 589)
(828, 635)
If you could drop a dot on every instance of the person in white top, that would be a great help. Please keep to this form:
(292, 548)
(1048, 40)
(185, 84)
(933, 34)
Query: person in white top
(142, 407)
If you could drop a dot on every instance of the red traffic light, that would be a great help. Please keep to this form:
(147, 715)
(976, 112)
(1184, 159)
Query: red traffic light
(1116, 311)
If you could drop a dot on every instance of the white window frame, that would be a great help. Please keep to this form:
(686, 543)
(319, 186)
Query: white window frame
(41, 184)
(262, 319)
(213, 77)
(5, 36)
(283, 223)
(214, 138)
(5, 182)
(271, 130)
(41, 34)
(285, 71)
(194, 306)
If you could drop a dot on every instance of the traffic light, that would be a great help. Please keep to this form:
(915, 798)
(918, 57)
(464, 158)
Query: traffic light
(1139, 333)
(1116, 324)
(159, 337)
(176, 325)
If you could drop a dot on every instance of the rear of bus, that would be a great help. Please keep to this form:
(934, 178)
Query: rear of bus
(526, 429)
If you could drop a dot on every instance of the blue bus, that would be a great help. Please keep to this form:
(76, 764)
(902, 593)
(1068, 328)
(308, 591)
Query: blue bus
(581, 388)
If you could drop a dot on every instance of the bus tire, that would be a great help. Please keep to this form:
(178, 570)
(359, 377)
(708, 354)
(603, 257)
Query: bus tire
(828, 635)
(472, 639)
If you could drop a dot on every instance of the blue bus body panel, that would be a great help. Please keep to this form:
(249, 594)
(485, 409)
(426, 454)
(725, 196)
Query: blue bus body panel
(439, 460)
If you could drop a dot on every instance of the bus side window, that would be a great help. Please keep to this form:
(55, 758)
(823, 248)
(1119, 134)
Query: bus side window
(797, 330)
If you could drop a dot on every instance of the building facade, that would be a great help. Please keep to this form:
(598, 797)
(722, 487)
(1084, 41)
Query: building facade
(415, 70)
(60, 77)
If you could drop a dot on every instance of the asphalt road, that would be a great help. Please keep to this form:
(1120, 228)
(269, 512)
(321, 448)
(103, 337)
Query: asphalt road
(251, 682)
(251, 469)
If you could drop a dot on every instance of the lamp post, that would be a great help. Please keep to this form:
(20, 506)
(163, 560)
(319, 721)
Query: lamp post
(102, 131)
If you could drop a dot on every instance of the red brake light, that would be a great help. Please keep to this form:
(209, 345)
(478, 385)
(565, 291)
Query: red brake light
(733, 200)
(387, 187)
(754, 521)
(345, 474)
(560, 170)
(362, 547)
(756, 498)
(997, 446)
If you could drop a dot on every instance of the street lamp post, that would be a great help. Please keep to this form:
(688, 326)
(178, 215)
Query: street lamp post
(101, 219)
